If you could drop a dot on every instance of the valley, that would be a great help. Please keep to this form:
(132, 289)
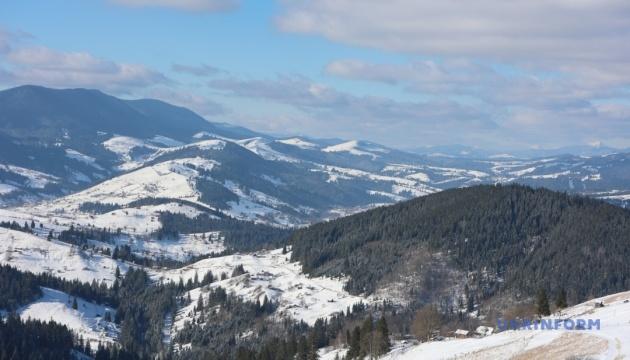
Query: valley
(205, 241)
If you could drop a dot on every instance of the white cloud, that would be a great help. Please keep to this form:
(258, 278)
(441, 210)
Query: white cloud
(586, 40)
(186, 5)
(325, 111)
(554, 109)
(455, 76)
(44, 66)
(576, 30)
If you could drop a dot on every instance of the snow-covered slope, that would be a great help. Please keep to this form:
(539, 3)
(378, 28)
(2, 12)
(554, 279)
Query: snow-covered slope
(31, 253)
(610, 341)
(185, 247)
(35, 179)
(261, 147)
(269, 273)
(170, 179)
(86, 321)
(357, 148)
(298, 142)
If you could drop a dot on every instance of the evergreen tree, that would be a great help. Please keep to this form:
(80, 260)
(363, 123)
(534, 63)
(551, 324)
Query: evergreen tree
(75, 305)
(200, 303)
(312, 352)
(354, 350)
(383, 344)
(367, 340)
(470, 304)
(561, 299)
(302, 349)
(208, 278)
(542, 303)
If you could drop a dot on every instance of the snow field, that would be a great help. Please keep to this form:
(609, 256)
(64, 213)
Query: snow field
(270, 274)
(86, 321)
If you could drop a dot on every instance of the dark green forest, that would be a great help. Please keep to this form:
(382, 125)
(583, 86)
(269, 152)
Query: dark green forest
(34, 340)
(530, 238)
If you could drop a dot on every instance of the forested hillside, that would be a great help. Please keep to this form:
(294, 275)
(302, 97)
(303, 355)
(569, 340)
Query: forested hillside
(523, 238)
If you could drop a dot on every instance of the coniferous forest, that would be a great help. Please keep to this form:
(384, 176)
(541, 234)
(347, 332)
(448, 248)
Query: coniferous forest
(530, 238)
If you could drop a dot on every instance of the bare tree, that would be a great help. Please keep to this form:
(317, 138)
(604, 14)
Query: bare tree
(426, 320)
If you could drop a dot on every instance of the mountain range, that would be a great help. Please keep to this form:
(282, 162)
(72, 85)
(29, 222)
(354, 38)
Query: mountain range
(60, 142)
(149, 232)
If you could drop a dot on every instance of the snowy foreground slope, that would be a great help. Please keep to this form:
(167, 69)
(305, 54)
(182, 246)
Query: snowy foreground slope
(611, 341)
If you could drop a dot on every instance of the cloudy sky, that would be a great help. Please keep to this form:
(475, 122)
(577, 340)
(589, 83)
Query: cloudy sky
(406, 73)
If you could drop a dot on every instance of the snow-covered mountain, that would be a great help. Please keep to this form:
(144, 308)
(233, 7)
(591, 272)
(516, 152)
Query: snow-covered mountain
(92, 186)
(58, 142)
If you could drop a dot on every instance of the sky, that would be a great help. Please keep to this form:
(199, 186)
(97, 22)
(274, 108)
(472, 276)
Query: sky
(493, 74)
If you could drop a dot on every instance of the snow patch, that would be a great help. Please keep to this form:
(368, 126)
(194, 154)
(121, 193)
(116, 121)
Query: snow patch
(297, 142)
(351, 147)
(87, 320)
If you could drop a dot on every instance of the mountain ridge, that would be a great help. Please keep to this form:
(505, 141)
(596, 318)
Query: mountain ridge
(85, 137)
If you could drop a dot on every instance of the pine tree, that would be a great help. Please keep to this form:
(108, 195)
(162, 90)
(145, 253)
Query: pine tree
(88, 348)
(542, 303)
(117, 273)
(470, 305)
(200, 303)
(561, 300)
(382, 337)
(208, 278)
(312, 352)
(355, 344)
(302, 349)
(367, 336)
(75, 305)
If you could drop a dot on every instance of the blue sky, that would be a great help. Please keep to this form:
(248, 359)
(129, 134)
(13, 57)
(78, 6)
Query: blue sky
(406, 73)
